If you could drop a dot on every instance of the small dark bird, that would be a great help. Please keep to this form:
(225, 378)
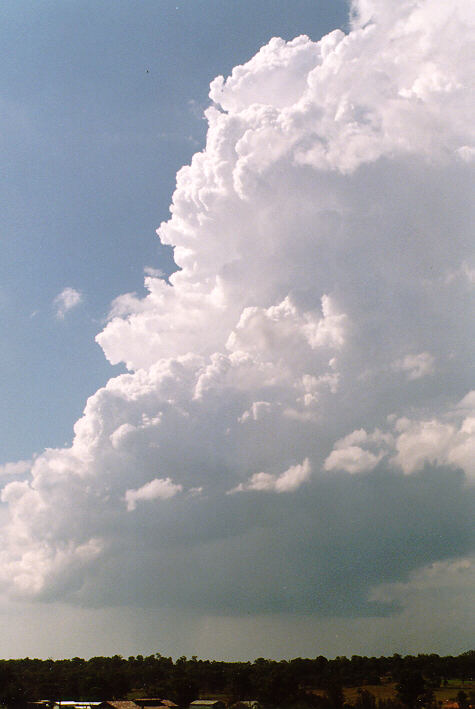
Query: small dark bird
(147, 71)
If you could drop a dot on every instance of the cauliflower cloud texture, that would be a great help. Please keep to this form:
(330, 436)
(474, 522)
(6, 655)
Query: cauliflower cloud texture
(311, 355)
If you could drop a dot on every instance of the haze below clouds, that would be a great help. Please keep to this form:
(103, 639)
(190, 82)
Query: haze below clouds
(286, 465)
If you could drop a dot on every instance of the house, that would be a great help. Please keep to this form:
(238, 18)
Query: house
(207, 704)
(246, 704)
(141, 703)
(154, 702)
(119, 704)
(72, 704)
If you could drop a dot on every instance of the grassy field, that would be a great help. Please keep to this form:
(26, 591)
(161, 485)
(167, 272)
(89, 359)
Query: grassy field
(444, 694)
(388, 691)
(379, 691)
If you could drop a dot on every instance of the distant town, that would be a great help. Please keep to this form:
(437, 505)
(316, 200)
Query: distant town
(156, 682)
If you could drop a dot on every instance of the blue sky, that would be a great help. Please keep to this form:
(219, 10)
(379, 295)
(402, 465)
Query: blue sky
(272, 454)
(91, 145)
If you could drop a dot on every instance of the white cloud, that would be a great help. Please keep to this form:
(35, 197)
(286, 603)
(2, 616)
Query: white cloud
(314, 232)
(468, 402)
(416, 365)
(18, 467)
(353, 459)
(157, 489)
(436, 577)
(257, 411)
(154, 272)
(288, 481)
(65, 301)
(351, 453)
(436, 441)
(466, 152)
(412, 443)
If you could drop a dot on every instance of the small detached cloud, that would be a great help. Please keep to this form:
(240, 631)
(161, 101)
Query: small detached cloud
(288, 481)
(412, 444)
(352, 459)
(16, 468)
(416, 366)
(349, 454)
(436, 441)
(157, 489)
(151, 272)
(65, 301)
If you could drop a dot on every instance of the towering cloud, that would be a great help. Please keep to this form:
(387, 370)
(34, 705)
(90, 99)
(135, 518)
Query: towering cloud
(310, 357)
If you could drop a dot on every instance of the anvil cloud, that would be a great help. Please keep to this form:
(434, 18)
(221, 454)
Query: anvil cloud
(311, 356)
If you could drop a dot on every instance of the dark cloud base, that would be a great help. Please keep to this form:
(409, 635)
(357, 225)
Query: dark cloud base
(316, 551)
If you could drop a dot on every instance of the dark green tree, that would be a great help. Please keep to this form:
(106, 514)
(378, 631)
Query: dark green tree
(411, 688)
(335, 696)
(462, 699)
(365, 700)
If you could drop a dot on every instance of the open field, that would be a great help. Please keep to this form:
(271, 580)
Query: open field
(379, 691)
(444, 694)
(388, 691)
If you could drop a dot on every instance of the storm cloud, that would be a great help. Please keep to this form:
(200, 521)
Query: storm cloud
(295, 430)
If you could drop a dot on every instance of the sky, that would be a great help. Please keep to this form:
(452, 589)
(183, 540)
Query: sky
(250, 433)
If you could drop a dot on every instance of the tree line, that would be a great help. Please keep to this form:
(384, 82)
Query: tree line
(273, 683)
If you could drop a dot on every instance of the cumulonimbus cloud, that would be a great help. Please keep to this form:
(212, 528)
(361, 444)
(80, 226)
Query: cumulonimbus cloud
(323, 239)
